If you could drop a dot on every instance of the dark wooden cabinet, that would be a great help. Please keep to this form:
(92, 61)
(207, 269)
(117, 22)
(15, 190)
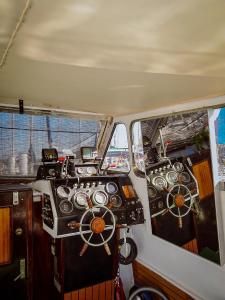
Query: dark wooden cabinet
(34, 266)
(15, 242)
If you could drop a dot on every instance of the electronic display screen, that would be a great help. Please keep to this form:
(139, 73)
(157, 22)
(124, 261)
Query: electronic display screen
(49, 155)
(88, 153)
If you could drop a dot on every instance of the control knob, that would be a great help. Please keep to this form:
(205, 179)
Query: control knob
(132, 216)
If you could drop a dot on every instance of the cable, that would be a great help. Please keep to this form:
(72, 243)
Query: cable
(133, 251)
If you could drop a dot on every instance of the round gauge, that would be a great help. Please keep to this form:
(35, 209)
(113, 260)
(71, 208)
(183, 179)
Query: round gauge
(80, 200)
(116, 200)
(178, 166)
(152, 192)
(80, 170)
(111, 188)
(172, 177)
(185, 177)
(66, 206)
(63, 191)
(52, 172)
(91, 170)
(159, 182)
(100, 198)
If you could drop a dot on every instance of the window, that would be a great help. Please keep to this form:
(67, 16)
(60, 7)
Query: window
(117, 156)
(22, 137)
(137, 147)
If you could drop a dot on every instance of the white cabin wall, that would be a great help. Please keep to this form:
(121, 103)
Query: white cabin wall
(195, 275)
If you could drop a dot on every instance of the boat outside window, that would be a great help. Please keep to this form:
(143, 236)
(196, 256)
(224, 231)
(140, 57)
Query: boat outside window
(137, 148)
(117, 155)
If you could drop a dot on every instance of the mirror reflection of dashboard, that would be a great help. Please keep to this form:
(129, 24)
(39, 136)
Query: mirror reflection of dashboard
(88, 154)
(174, 154)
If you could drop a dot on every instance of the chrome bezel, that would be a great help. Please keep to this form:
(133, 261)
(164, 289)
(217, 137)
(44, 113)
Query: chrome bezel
(91, 170)
(65, 212)
(80, 170)
(169, 180)
(118, 198)
(76, 204)
(107, 187)
(94, 197)
(65, 195)
(155, 184)
(186, 174)
(181, 168)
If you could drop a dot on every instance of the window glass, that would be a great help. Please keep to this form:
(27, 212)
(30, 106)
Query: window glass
(22, 137)
(179, 179)
(117, 156)
(137, 147)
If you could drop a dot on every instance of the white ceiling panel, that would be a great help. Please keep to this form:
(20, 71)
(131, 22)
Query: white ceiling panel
(116, 57)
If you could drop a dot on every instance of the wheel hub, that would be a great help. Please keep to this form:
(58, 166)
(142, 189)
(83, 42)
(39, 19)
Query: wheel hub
(179, 200)
(97, 225)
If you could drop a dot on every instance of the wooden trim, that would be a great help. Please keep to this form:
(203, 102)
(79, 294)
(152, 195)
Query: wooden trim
(191, 246)
(101, 291)
(5, 236)
(203, 174)
(145, 277)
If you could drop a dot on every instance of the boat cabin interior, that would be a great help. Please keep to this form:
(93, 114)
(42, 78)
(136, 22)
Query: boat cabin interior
(112, 150)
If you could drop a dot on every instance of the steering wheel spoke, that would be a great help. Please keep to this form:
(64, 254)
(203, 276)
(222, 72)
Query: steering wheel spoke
(97, 225)
(104, 214)
(102, 237)
(181, 198)
(186, 206)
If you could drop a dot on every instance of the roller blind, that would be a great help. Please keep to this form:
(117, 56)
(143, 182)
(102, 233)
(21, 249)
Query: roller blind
(23, 136)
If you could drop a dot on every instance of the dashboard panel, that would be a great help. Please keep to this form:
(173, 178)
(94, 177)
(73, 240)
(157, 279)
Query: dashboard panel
(65, 201)
(164, 177)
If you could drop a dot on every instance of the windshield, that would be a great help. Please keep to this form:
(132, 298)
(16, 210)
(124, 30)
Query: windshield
(22, 137)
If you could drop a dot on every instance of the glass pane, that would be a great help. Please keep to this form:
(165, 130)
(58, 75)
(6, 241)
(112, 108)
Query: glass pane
(137, 148)
(178, 174)
(23, 136)
(117, 156)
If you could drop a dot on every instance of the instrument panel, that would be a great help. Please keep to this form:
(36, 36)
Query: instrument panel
(66, 200)
(162, 177)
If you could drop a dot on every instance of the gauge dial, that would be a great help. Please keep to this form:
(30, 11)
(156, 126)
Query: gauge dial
(159, 182)
(100, 198)
(52, 172)
(116, 201)
(66, 206)
(185, 177)
(152, 192)
(80, 170)
(80, 200)
(178, 166)
(63, 191)
(172, 177)
(111, 188)
(91, 170)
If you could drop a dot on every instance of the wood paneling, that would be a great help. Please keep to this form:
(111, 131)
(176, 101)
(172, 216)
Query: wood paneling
(191, 246)
(5, 236)
(102, 291)
(202, 173)
(145, 277)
